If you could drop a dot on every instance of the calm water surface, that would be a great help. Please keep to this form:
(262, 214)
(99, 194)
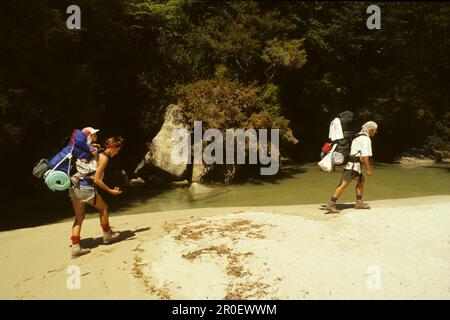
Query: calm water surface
(300, 184)
(295, 184)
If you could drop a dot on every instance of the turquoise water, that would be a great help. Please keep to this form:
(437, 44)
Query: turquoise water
(299, 184)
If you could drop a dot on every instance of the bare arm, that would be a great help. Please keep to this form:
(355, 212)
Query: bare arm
(101, 165)
(367, 165)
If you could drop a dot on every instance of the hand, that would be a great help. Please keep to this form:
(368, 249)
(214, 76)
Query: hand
(75, 181)
(116, 191)
(369, 172)
(95, 152)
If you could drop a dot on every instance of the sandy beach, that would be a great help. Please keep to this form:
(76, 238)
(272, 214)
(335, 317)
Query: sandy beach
(399, 249)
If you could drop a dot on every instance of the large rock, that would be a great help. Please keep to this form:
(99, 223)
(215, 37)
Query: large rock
(136, 181)
(442, 156)
(416, 157)
(202, 173)
(199, 171)
(160, 149)
(197, 189)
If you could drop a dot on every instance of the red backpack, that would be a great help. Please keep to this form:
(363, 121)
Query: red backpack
(326, 147)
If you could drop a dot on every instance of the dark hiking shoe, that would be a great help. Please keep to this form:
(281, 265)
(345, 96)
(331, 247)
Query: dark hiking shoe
(78, 251)
(361, 205)
(110, 236)
(331, 208)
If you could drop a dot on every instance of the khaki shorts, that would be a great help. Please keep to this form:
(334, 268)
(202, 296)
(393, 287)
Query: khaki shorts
(82, 193)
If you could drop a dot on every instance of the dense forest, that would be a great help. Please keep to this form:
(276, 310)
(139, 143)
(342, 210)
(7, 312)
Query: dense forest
(300, 63)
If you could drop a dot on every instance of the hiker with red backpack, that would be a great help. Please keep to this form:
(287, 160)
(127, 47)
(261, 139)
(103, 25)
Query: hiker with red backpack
(360, 152)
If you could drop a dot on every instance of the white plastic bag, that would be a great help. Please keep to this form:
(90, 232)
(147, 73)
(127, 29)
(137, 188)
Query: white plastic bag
(326, 164)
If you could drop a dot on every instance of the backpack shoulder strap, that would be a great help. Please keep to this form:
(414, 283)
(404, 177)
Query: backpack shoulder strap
(353, 157)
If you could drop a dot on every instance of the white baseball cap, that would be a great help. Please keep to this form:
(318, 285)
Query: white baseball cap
(90, 130)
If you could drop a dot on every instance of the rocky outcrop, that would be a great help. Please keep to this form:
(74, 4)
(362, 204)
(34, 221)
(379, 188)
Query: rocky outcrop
(197, 189)
(416, 157)
(160, 149)
(136, 182)
(442, 156)
(199, 171)
(158, 161)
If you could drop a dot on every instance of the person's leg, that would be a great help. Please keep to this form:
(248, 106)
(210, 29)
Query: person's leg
(331, 206)
(103, 210)
(108, 235)
(360, 188)
(360, 204)
(78, 208)
(340, 189)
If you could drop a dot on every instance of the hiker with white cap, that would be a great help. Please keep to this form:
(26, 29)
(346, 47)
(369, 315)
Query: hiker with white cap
(361, 150)
(91, 135)
(94, 149)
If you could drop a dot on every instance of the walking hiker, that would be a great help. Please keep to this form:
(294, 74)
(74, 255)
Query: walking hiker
(361, 150)
(90, 175)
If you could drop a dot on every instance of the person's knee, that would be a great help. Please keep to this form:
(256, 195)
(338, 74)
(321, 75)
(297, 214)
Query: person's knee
(344, 184)
(104, 209)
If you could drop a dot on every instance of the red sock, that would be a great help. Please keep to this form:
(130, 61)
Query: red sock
(106, 227)
(75, 239)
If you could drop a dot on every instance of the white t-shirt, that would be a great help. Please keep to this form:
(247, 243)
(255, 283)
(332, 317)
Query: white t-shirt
(362, 147)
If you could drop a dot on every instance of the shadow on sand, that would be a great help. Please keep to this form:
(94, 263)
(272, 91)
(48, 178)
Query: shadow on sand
(340, 206)
(343, 206)
(91, 243)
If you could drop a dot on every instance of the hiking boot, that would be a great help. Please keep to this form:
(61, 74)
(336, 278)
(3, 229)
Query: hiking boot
(110, 236)
(78, 251)
(361, 205)
(331, 208)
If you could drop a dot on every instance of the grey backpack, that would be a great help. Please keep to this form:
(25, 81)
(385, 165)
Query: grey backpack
(40, 168)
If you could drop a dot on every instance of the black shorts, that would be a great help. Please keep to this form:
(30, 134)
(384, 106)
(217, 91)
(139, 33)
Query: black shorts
(349, 175)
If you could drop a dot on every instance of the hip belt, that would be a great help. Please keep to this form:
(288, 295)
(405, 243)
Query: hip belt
(354, 159)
